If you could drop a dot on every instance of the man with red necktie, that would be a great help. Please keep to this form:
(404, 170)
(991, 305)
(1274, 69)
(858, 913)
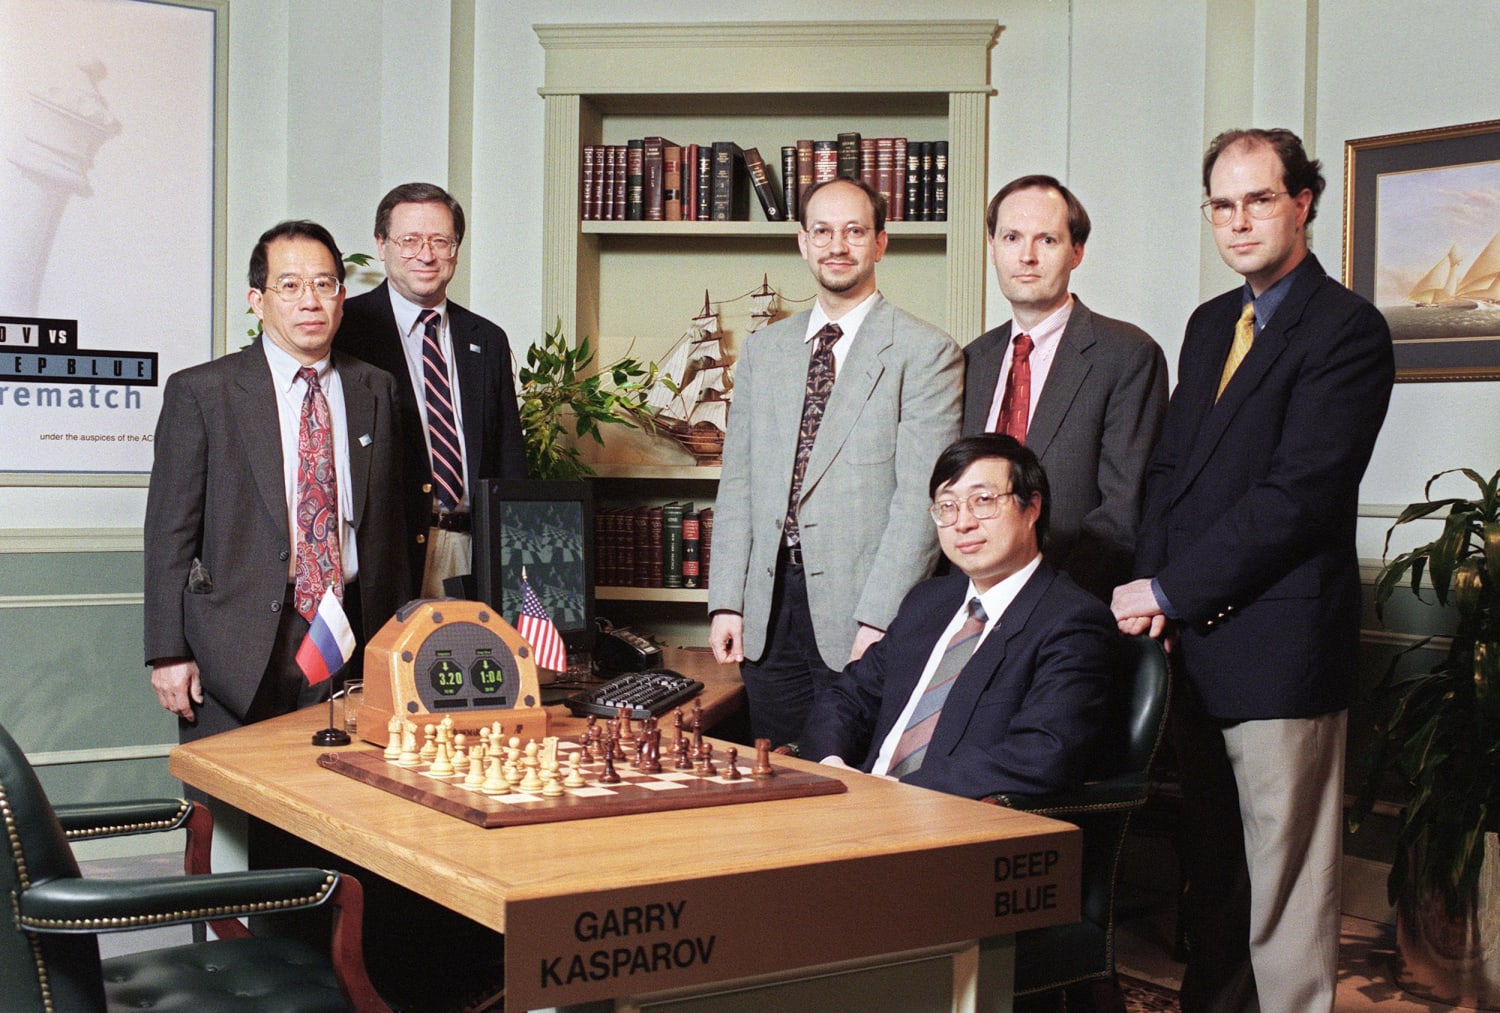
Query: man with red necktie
(274, 481)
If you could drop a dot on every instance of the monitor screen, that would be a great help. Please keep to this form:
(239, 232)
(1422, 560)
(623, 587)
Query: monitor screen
(547, 529)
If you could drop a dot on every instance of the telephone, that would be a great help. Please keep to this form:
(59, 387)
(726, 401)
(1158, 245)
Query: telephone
(623, 651)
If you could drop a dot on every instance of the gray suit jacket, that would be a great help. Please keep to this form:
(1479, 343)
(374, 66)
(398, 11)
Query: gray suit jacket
(866, 537)
(1098, 417)
(218, 495)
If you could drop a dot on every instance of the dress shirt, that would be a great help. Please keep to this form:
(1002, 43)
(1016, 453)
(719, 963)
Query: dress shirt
(995, 601)
(412, 337)
(849, 324)
(290, 393)
(1045, 338)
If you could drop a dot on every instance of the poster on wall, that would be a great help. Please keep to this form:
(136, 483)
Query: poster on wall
(107, 204)
(1422, 242)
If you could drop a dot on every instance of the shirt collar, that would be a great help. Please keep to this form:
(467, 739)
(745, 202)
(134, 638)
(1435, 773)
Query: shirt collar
(284, 368)
(1049, 332)
(407, 311)
(998, 598)
(849, 323)
(1268, 301)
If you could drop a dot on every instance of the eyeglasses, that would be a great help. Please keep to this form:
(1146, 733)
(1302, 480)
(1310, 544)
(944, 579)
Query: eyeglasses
(855, 235)
(443, 247)
(1260, 206)
(982, 506)
(290, 287)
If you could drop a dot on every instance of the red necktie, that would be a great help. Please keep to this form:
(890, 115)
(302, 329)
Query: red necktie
(319, 558)
(1015, 406)
(447, 462)
(911, 748)
(820, 370)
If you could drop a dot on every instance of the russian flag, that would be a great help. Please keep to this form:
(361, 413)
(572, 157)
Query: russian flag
(329, 643)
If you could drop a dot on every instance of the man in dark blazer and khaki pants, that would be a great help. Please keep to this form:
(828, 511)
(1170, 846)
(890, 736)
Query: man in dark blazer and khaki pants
(1098, 386)
(1247, 553)
(221, 629)
(803, 583)
(419, 228)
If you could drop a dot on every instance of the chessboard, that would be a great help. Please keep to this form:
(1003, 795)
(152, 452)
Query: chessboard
(615, 768)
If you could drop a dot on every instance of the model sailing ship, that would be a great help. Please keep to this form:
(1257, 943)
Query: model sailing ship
(1479, 286)
(690, 403)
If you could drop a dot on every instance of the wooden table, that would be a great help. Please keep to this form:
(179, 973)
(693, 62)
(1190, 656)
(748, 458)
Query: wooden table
(639, 904)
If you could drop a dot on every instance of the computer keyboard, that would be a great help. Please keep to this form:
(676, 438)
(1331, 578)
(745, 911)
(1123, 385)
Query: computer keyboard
(647, 694)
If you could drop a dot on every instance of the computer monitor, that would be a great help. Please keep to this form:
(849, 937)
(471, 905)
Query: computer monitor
(547, 528)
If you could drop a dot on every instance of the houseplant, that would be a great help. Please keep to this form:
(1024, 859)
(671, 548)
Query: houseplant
(560, 392)
(1438, 733)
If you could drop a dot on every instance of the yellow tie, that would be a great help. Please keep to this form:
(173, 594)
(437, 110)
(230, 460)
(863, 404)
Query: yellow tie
(1244, 337)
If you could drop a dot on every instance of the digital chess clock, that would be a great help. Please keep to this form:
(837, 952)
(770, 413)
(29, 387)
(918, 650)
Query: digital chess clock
(446, 658)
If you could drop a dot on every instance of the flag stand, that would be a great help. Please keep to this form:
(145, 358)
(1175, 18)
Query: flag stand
(332, 735)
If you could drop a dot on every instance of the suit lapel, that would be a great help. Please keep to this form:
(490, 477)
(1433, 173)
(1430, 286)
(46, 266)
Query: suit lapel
(468, 355)
(988, 663)
(1065, 376)
(787, 384)
(983, 372)
(252, 403)
(851, 389)
(359, 416)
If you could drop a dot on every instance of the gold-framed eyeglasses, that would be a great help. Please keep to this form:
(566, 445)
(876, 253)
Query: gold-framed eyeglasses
(1260, 206)
(290, 287)
(821, 235)
(443, 247)
(982, 506)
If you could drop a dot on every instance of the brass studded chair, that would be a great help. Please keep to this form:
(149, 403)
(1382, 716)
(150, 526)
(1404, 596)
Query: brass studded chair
(1080, 958)
(49, 952)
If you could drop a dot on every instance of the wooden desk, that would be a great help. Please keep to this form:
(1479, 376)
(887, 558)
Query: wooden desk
(638, 904)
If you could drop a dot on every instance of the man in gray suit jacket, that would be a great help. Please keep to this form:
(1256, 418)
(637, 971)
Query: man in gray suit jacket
(812, 557)
(1097, 386)
(222, 619)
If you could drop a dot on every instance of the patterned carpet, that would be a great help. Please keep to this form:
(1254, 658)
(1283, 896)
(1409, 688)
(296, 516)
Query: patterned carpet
(1145, 997)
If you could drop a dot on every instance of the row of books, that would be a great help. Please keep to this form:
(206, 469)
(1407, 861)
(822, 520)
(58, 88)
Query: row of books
(655, 179)
(653, 546)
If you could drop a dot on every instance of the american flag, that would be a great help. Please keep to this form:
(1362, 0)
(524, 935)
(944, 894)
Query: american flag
(536, 626)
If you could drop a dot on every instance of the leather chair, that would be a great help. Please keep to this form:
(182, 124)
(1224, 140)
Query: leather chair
(1080, 958)
(49, 951)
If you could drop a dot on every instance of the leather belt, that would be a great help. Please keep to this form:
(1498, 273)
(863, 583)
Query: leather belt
(791, 554)
(458, 520)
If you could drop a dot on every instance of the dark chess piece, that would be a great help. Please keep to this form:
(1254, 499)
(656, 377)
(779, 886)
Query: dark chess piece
(733, 773)
(762, 766)
(610, 775)
(650, 762)
(705, 766)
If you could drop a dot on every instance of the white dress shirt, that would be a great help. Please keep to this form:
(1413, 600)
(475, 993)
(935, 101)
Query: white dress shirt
(1045, 338)
(849, 324)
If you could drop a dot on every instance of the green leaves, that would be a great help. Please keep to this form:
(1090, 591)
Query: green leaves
(564, 400)
(1439, 731)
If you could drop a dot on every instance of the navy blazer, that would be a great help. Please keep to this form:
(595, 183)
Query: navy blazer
(1251, 503)
(1023, 714)
(487, 398)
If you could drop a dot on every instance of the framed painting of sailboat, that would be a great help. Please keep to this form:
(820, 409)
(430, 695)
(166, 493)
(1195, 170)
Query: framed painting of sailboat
(1422, 242)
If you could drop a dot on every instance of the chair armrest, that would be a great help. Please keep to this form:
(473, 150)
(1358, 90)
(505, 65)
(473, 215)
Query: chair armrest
(118, 905)
(115, 819)
(1113, 794)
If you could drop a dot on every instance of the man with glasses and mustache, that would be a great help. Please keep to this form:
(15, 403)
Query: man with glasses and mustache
(453, 375)
(838, 414)
(274, 481)
(1246, 557)
(992, 678)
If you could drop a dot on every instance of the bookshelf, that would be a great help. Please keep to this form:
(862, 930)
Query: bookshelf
(633, 286)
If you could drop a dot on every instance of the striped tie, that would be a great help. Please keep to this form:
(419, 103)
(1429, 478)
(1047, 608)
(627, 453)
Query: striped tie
(447, 461)
(1244, 337)
(912, 746)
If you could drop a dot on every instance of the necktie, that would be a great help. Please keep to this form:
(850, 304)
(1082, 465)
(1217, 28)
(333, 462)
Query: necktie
(319, 559)
(1015, 405)
(1244, 337)
(911, 748)
(814, 401)
(442, 428)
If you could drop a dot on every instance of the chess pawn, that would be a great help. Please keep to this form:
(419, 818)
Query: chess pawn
(733, 773)
(429, 743)
(460, 757)
(475, 776)
(575, 778)
(762, 768)
(552, 785)
(705, 766)
(494, 781)
(531, 781)
(442, 764)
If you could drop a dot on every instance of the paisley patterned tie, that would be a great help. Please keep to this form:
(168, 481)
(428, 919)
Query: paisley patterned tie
(820, 378)
(319, 558)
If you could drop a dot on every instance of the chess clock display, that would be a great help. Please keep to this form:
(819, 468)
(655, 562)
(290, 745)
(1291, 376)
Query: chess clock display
(441, 658)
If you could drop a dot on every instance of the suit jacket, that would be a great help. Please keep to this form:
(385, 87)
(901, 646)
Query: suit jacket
(1098, 416)
(1022, 716)
(218, 495)
(1250, 510)
(486, 395)
(866, 537)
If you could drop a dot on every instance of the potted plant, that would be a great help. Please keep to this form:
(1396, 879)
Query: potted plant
(560, 392)
(1438, 732)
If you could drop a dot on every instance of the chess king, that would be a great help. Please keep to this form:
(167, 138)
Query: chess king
(954, 699)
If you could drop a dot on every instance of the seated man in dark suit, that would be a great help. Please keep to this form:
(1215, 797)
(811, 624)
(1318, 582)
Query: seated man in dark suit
(993, 678)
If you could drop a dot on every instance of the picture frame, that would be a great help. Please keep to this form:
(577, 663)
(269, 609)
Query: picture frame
(1422, 242)
(113, 170)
